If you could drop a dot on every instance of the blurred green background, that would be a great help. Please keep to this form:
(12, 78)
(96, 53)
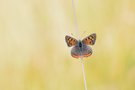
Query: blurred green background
(34, 55)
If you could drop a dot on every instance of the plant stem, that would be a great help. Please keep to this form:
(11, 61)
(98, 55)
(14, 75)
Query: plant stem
(75, 19)
(77, 31)
(84, 75)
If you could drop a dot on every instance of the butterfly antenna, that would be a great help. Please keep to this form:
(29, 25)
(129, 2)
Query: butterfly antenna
(72, 34)
(83, 33)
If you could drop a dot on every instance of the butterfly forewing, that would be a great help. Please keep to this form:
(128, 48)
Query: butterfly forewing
(90, 40)
(70, 41)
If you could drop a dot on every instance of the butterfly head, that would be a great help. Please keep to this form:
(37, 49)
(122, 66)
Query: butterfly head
(80, 44)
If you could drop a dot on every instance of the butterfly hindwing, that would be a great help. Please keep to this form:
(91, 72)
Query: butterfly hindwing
(90, 40)
(70, 41)
(85, 51)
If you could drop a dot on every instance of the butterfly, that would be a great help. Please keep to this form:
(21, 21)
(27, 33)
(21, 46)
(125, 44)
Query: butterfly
(80, 47)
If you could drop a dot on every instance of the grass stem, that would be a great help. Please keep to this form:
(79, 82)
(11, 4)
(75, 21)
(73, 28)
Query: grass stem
(84, 75)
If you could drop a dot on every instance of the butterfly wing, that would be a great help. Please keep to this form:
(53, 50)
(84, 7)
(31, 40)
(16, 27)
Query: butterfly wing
(90, 40)
(78, 52)
(87, 51)
(70, 41)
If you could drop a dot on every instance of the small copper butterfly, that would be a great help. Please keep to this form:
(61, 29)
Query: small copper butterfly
(80, 47)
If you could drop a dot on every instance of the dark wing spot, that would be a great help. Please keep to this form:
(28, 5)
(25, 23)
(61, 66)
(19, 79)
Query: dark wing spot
(68, 38)
(92, 36)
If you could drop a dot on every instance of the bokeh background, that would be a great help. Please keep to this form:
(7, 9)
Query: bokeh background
(34, 55)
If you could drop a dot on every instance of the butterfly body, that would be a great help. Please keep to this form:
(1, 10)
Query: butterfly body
(80, 47)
